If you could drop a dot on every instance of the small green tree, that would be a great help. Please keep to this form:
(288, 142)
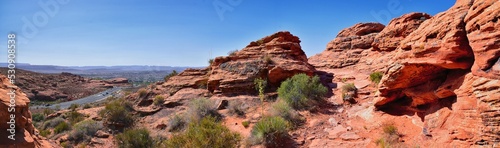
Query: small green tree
(173, 73)
(301, 91)
(260, 86)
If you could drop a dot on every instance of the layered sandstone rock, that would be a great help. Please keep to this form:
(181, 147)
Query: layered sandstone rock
(347, 48)
(275, 58)
(24, 130)
(398, 29)
(483, 32)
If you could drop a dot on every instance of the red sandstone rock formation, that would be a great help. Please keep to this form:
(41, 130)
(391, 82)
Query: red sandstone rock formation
(25, 132)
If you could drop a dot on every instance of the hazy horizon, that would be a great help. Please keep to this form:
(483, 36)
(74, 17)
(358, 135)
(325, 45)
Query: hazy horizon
(175, 32)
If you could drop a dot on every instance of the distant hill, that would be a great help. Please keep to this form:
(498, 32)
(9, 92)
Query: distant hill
(93, 69)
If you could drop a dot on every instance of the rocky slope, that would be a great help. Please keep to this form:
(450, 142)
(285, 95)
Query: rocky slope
(64, 86)
(25, 134)
(441, 70)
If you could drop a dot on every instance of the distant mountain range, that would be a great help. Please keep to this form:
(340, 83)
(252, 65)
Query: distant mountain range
(93, 69)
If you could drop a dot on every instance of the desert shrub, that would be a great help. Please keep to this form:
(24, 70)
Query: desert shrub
(210, 61)
(142, 92)
(73, 107)
(74, 117)
(48, 111)
(86, 106)
(283, 110)
(134, 138)
(301, 91)
(173, 73)
(66, 144)
(84, 130)
(232, 52)
(158, 100)
(390, 137)
(37, 117)
(61, 127)
(200, 108)
(349, 91)
(52, 123)
(260, 86)
(237, 107)
(206, 133)
(260, 42)
(245, 124)
(267, 59)
(117, 112)
(375, 77)
(270, 131)
(176, 123)
(44, 133)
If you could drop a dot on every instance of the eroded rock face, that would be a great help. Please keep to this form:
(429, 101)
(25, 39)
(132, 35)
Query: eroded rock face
(359, 36)
(483, 32)
(347, 48)
(398, 29)
(24, 129)
(441, 41)
(447, 72)
(275, 58)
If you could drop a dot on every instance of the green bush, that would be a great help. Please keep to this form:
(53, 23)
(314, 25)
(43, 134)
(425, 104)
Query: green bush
(390, 137)
(158, 100)
(301, 91)
(232, 52)
(37, 117)
(66, 144)
(117, 112)
(61, 127)
(237, 107)
(282, 109)
(200, 108)
(267, 59)
(48, 111)
(206, 133)
(375, 77)
(85, 130)
(210, 61)
(260, 86)
(44, 133)
(270, 131)
(245, 124)
(176, 123)
(142, 92)
(134, 138)
(349, 92)
(173, 73)
(74, 117)
(52, 123)
(73, 107)
(86, 106)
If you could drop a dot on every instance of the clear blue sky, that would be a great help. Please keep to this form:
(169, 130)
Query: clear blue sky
(179, 32)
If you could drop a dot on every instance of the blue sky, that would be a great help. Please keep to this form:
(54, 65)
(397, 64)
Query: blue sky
(178, 32)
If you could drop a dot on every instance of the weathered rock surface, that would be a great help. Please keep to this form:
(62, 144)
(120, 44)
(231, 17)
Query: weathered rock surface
(398, 29)
(440, 41)
(347, 48)
(275, 58)
(483, 32)
(24, 130)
